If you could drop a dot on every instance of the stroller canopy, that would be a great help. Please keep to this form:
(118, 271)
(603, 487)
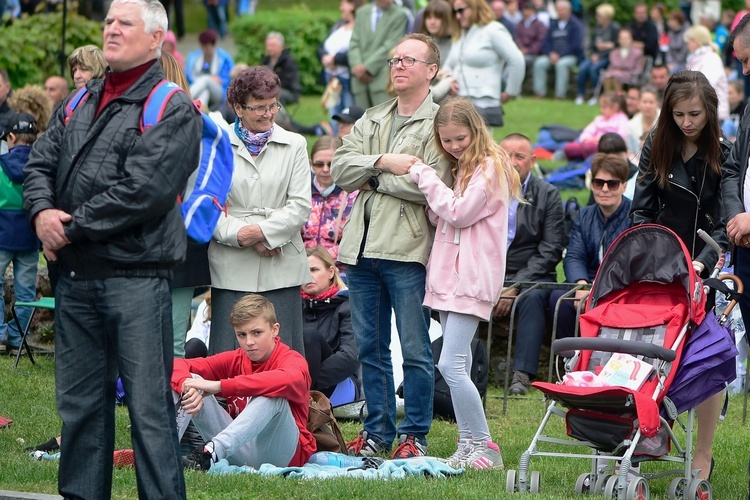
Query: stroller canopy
(650, 253)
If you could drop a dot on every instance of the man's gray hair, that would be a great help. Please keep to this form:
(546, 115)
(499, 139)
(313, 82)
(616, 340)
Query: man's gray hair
(565, 3)
(278, 36)
(153, 14)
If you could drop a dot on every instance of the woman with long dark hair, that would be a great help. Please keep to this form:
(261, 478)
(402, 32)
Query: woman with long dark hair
(679, 187)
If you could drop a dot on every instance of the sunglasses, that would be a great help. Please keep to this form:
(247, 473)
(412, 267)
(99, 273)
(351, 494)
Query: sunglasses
(612, 184)
(321, 164)
(460, 11)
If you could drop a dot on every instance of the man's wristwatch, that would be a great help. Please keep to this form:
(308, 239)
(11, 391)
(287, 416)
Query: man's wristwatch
(373, 182)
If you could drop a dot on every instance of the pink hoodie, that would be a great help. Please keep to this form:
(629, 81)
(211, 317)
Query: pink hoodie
(466, 269)
(169, 37)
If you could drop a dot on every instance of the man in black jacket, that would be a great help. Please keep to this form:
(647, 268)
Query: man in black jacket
(101, 195)
(735, 182)
(645, 34)
(535, 243)
(5, 111)
(281, 61)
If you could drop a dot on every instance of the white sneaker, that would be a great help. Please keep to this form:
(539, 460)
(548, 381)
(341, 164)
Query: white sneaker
(458, 459)
(593, 101)
(579, 100)
(486, 455)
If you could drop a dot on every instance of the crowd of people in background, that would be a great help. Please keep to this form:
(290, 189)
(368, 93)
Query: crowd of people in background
(316, 252)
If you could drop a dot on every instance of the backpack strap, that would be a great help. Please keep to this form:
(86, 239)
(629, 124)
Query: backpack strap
(78, 97)
(156, 102)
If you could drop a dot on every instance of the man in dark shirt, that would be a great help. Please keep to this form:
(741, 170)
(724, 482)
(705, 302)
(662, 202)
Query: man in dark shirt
(645, 35)
(562, 48)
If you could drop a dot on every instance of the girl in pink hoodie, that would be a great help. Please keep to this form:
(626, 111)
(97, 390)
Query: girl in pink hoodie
(467, 263)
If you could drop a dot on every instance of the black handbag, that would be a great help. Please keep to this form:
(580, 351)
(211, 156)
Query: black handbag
(493, 116)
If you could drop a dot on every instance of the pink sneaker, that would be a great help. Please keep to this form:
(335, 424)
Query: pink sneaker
(486, 455)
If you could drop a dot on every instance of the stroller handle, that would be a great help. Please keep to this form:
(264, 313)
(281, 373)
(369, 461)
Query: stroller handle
(710, 241)
(635, 347)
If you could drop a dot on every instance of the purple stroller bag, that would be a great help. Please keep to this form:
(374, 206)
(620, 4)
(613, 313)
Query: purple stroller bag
(707, 365)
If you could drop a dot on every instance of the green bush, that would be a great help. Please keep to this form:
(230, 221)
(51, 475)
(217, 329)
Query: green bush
(303, 31)
(29, 47)
(624, 8)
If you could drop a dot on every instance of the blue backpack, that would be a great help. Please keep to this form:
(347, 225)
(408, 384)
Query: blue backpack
(208, 186)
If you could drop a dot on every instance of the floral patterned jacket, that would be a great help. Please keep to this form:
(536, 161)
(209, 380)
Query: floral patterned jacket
(327, 220)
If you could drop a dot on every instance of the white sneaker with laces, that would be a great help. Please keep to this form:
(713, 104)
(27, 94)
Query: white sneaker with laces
(458, 459)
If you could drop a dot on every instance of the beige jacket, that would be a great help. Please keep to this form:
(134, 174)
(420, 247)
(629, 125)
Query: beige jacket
(272, 191)
(398, 229)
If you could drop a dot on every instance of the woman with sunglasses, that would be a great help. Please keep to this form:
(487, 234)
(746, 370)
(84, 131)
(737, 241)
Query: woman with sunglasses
(679, 187)
(331, 205)
(257, 245)
(483, 53)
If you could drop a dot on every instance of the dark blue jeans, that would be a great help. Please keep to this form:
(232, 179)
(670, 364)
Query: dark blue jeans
(531, 314)
(742, 271)
(103, 327)
(589, 71)
(376, 286)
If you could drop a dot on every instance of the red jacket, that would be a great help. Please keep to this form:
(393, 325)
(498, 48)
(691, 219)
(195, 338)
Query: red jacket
(284, 375)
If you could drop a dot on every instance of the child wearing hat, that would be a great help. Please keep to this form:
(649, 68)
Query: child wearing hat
(18, 242)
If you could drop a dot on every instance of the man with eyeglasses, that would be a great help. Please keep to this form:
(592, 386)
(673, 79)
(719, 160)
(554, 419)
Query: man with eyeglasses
(386, 243)
(378, 26)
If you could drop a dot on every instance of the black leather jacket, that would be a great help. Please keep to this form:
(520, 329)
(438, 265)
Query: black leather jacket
(119, 185)
(681, 207)
(540, 235)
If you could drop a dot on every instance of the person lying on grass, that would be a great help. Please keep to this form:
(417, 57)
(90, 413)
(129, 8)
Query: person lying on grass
(266, 385)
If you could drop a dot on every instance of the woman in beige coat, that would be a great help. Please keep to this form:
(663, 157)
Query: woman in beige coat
(257, 246)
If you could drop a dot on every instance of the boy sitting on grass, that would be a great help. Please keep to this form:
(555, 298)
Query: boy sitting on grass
(266, 385)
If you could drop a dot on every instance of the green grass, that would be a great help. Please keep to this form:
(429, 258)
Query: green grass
(29, 401)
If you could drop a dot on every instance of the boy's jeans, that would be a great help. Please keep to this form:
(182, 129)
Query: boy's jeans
(24, 278)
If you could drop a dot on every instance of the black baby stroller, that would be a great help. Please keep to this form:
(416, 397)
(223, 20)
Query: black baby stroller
(646, 304)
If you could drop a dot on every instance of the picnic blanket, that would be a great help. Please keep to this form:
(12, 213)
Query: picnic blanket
(389, 469)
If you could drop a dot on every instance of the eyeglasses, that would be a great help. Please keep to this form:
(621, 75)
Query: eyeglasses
(262, 110)
(321, 164)
(612, 184)
(407, 62)
(460, 11)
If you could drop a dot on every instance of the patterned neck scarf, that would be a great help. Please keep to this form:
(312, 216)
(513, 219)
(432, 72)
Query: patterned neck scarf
(253, 142)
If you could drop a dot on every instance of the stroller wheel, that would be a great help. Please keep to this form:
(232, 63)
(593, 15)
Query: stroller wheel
(677, 488)
(610, 488)
(699, 489)
(534, 482)
(601, 482)
(510, 481)
(637, 489)
(583, 484)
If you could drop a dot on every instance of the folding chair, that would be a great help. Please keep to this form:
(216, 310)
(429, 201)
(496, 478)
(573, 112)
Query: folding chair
(42, 303)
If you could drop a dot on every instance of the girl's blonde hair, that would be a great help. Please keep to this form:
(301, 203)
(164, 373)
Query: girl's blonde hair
(325, 257)
(173, 71)
(460, 111)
